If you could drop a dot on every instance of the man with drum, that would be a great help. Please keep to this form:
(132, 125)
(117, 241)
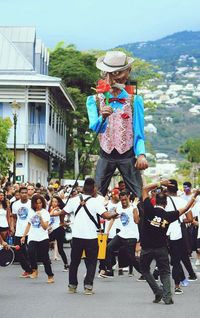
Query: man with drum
(84, 234)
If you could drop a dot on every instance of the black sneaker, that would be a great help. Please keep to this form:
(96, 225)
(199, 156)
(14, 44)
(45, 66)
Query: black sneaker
(156, 274)
(66, 268)
(192, 278)
(157, 299)
(108, 274)
(120, 272)
(141, 279)
(169, 302)
(178, 291)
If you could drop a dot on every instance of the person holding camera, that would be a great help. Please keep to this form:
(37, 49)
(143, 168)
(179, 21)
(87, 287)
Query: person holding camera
(153, 239)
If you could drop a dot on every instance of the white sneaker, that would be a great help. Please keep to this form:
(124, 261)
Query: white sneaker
(184, 283)
(115, 266)
(102, 272)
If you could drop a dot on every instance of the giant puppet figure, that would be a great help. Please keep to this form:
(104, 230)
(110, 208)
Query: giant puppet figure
(119, 120)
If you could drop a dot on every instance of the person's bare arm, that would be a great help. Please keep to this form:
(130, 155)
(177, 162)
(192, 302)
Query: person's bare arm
(151, 186)
(55, 212)
(109, 215)
(190, 203)
(3, 243)
(136, 216)
(188, 217)
(110, 225)
(25, 233)
(44, 224)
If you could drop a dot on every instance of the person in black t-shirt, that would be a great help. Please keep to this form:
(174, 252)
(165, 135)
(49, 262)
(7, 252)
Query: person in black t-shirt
(153, 239)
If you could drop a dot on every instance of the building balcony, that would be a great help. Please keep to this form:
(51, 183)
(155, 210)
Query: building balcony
(38, 136)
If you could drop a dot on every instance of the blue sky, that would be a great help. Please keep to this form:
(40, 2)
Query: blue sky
(103, 24)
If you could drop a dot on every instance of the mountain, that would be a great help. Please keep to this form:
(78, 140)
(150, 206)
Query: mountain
(172, 46)
(177, 92)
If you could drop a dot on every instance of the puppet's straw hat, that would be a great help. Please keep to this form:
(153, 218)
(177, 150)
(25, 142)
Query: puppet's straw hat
(114, 61)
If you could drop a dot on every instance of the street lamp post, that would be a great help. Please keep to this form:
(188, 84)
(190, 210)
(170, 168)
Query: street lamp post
(15, 107)
(76, 159)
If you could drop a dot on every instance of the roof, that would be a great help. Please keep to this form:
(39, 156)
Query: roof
(27, 78)
(15, 69)
(19, 34)
(34, 79)
(38, 46)
(11, 58)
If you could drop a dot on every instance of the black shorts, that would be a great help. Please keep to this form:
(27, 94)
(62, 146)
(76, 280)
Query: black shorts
(3, 229)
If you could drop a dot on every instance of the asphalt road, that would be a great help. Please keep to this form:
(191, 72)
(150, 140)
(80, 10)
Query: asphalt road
(120, 297)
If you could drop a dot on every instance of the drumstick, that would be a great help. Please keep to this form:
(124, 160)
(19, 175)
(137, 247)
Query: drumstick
(16, 247)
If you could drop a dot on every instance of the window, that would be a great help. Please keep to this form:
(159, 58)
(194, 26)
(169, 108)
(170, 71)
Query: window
(50, 115)
(53, 119)
(57, 123)
(1, 109)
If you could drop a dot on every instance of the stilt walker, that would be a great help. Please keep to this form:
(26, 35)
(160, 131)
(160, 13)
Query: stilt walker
(119, 117)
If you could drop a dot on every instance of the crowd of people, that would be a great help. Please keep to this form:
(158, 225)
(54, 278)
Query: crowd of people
(164, 223)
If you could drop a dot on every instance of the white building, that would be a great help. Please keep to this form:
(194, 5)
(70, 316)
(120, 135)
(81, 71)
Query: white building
(43, 100)
(175, 87)
(150, 128)
(189, 87)
(195, 110)
(148, 118)
(163, 170)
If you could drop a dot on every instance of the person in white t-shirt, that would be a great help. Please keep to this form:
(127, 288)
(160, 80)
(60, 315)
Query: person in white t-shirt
(4, 215)
(187, 191)
(38, 238)
(4, 219)
(111, 206)
(178, 248)
(56, 227)
(15, 197)
(110, 230)
(127, 237)
(196, 221)
(20, 214)
(191, 227)
(84, 234)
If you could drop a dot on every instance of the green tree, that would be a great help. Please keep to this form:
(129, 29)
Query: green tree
(143, 71)
(183, 170)
(77, 69)
(6, 156)
(191, 148)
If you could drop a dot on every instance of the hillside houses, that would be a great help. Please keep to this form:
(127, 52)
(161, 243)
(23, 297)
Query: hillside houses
(181, 86)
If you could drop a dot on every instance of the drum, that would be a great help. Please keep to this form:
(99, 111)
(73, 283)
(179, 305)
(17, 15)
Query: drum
(102, 242)
(6, 256)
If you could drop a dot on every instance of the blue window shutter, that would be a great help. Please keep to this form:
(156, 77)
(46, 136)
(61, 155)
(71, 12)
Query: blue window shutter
(1, 109)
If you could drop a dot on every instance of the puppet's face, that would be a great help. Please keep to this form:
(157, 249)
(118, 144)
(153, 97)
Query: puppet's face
(117, 79)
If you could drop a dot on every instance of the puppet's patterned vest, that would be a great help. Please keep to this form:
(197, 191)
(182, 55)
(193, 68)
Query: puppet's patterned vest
(119, 131)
